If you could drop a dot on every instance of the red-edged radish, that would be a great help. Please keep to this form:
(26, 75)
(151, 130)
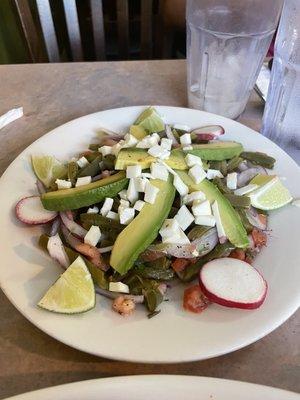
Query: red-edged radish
(233, 283)
(209, 132)
(31, 211)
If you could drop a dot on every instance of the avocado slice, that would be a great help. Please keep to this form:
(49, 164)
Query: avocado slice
(150, 120)
(214, 151)
(231, 221)
(141, 232)
(138, 131)
(83, 196)
(135, 156)
(98, 275)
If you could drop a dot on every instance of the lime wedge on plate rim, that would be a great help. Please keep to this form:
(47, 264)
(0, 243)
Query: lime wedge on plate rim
(73, 292)
(47, 169)
(271, 194)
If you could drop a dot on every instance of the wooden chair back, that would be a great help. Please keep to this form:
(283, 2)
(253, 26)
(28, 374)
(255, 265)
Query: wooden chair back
(36, 47)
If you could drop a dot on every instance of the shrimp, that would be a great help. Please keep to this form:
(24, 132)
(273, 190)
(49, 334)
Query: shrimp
(123, 306)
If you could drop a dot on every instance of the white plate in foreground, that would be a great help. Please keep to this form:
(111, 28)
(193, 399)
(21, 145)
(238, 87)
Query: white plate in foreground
(163, 387)
(174, 335)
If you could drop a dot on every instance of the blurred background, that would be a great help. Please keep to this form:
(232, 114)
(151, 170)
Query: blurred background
(89, 30)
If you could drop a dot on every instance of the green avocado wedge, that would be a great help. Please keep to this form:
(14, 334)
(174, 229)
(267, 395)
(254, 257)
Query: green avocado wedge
(135, 156)
(86, 195)
(231, 221)
(141, 232)
(150, 120)
(214, 151)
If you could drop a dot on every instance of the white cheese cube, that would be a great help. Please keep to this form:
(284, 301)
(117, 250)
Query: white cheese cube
(214, 173)
(166, 143)
(140, 184)
(192, 160)
(139, 205)
(126, 215)
(146, 143)
(186, 139)
(179, 238)
(147, 175)
(63, 184)
(112, 215)
(158, 171)
(107, 205)
(93, 236)
(93, 210)
(123, 194)
(184, 217)
(159, 152)
(169, 228)
(124, 203)
(151, 192)
(85, 180)
(201, 208)
(187, 148)
(197, 173)
(119, 287)
(231, 180)
(155, 138)
(133, 171)
(105, 150)
(216, 213)
(189, 198)
(181, 127)
(180, 186)
(116, 148)
(245, 190)
(82, 162)
(132, 193)
(130, 140)
(207, 220)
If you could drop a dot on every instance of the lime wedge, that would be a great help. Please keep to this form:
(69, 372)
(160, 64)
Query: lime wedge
(47, 169)
(150, 120)
(73, 292)
(271, 193)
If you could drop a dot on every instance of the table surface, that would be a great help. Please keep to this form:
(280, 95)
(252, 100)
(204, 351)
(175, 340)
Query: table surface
(51, 95)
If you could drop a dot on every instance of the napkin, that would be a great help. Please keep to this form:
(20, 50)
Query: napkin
(10, 116)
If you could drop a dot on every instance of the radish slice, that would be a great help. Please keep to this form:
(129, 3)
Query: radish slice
(56, 251)
(31, 211)
(233, 283)
(72, 226)
(209, 132)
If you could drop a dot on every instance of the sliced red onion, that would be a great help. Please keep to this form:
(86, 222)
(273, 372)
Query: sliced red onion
(222, 239)
(40, 187)
(114, 295)
(170, 135)
(253, 218)
(105, 249)
(209, 132)
(55, 227)
(56, 250)
(70, 215)
(245, 176)
(243, 166)
(72, 226)
(90, 252)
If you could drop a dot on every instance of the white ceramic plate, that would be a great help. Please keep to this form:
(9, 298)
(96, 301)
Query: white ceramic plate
(174, 335)
(163, 387)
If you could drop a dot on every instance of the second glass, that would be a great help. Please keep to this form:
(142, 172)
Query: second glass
(227, 41)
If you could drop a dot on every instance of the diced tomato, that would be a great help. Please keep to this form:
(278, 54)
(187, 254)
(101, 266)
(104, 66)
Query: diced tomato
(194, 300)
(238, 253)
(180, 264)
(259, 237)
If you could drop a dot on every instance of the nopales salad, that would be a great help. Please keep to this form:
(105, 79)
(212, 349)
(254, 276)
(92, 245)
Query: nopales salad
(131, 214)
